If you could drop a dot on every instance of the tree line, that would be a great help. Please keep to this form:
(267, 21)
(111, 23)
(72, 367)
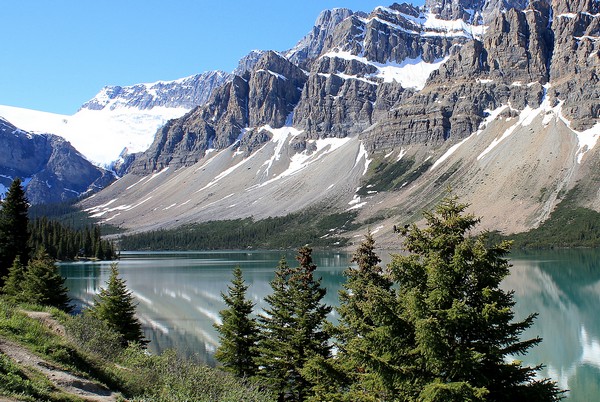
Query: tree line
(67, 244)
(269, 233)
(434, 325)
(36, 280)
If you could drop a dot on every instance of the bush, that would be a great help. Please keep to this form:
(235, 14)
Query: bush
(94, 336)
(170, 378)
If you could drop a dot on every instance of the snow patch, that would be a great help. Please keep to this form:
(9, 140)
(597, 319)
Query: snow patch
(300, 161)
(449, 152)
(586, 139)
(410, 73)
(273, 73)
(100, 135)
(362, 153)
(401, 154)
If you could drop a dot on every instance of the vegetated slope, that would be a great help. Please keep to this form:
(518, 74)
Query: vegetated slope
(392, 108)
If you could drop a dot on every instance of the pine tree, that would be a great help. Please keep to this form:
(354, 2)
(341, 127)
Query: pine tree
(293, 328)
(365, 336)
(463, 322)
(13, 282)
(238, 331)
(115, 305)
(14, 233)
(43, 285)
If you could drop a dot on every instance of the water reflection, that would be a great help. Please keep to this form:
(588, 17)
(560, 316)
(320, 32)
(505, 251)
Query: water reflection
(179, 297)
(564, 288)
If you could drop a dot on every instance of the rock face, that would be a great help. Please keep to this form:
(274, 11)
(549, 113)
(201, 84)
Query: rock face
(186, 92)
(575, 64)
(401, 75)
(267, 95)
(51, 168)
(312, 45)
(499, 98)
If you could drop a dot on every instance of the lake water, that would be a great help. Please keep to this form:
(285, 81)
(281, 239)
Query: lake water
(179, 297)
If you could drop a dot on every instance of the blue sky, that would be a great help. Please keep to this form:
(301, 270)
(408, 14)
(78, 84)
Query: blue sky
(58, 54)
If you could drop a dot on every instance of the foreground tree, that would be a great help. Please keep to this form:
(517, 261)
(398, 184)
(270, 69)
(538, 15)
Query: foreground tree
(116, 306)
(42, 283)
(465, 335)
(369, 337)
(13, 228)
(238, 331)
(13, 282)
(292, 329)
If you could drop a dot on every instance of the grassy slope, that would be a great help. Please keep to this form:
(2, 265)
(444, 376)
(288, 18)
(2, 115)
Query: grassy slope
(137, 375)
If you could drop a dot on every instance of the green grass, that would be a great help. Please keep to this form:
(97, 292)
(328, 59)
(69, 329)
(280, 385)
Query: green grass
(388, 176)
(90, 350)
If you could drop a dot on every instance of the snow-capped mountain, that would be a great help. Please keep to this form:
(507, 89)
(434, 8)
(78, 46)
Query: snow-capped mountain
(120, 121)
(379, 112)
(50, 168)
(185, 93)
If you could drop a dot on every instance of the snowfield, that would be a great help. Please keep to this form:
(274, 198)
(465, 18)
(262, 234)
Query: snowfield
(100, 135)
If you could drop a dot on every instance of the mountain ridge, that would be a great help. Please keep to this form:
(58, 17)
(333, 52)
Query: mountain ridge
(378, 113)
(490, 118)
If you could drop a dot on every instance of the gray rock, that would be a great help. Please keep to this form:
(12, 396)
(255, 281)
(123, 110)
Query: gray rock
(247, 63)
(575, 62)
(53, 170)
(187, 93)
(312, 45)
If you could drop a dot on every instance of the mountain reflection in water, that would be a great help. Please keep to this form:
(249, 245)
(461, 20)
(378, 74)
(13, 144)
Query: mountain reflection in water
(179, 296)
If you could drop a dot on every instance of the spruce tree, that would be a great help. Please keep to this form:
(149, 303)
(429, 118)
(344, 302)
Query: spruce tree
(116, 306)
(238, 331)
(367, 337)
(13, 282)
(14, 233)
(465, 335)
(277, 327)
(293, 328)
(42, 284)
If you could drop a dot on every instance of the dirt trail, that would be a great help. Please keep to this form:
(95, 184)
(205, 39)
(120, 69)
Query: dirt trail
(63, 380)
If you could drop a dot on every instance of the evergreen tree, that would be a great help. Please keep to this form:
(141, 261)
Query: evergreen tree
(463, 322)
(13, 228)
(293, 328)
(42, 284)
(239, 331)
(13, 282)
(367, 337)
(115, 305)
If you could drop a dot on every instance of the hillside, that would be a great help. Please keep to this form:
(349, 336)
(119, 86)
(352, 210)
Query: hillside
(379, 113)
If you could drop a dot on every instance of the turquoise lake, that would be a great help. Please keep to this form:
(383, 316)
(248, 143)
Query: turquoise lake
(179, 296)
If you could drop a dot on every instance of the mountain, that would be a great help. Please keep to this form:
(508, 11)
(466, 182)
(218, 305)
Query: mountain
(50, 168)
(120, 121)
(378, 113)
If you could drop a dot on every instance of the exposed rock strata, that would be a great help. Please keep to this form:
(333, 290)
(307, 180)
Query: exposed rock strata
(53, 170)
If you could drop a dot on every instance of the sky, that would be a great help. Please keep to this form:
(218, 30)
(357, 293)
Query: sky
(56, 55)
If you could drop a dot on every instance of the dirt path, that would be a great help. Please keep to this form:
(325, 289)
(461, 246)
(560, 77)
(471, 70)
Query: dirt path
(63, 380)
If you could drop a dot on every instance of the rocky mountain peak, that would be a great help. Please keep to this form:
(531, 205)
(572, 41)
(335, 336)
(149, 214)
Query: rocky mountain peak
(474, 11)
(186, 93)
(51, 168)
(248, 62)
(313, 43)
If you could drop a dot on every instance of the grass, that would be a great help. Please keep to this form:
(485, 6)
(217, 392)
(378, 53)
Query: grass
(90, 350)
